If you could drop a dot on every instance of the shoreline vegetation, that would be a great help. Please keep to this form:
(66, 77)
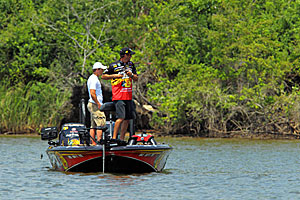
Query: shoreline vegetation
(237, 135)
(210, 68)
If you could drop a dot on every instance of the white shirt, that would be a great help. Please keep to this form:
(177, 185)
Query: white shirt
(94, 84)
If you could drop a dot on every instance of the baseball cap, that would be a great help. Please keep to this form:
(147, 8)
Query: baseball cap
(98, 65)
(126, 50)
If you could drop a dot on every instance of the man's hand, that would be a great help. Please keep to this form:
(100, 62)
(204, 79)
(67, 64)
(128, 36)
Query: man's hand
(129, 73)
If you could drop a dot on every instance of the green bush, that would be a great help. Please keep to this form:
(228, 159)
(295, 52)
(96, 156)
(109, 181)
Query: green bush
(29, 108)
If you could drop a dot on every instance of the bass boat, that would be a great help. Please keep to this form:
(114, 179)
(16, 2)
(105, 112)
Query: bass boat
(73, 152)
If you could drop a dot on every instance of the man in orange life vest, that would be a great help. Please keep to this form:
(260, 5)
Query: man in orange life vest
(122, 73)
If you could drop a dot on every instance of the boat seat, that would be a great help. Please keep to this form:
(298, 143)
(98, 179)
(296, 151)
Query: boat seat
(108, 106)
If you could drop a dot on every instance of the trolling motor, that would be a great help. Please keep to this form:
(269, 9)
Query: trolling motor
(49, 133)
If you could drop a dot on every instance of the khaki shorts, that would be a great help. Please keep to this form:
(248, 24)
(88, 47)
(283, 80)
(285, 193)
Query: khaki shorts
(97, 117)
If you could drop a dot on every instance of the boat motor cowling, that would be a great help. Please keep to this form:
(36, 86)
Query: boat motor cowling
(49, 133)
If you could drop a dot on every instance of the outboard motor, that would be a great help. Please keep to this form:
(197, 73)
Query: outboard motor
(49, 133)
(142, 139)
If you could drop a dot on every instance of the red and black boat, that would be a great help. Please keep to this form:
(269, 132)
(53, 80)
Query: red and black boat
(73, 152)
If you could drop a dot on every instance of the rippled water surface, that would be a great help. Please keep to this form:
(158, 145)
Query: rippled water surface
(196, 169)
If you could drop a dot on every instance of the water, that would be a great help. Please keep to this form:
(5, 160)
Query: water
(196, 169)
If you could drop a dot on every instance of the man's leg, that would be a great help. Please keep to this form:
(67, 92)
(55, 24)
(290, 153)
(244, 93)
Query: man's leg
(120, 115)
(100, 120)
(128, 115)
(92, 133)
(99, 135)
(93, 124)
(124, 129)
(117, 127)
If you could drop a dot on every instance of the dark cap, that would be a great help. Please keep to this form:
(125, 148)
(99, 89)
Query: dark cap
(126, 50)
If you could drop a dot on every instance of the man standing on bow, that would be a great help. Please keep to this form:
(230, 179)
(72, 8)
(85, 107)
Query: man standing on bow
(122, 73)
(95, 101)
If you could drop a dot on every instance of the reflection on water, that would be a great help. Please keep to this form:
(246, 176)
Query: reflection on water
(196, 169)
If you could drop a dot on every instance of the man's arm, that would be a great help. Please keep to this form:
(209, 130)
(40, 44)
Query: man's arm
(135, 77)
(111, 76)
(94, 97)
(132, 74)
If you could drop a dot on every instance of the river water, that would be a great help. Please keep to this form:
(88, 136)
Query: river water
(196, 169)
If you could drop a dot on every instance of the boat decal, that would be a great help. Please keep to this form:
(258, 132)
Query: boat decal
(75, 156)
(158, 159)
(145, 152)
(70, 153)
(155, 151)
(55, 162)
(147, 155)
(63, 160)
(73, 142)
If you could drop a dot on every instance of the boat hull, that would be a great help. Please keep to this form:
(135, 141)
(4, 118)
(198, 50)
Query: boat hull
(118, 159)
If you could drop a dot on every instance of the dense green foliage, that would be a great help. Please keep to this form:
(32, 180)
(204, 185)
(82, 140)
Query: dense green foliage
(30, 107)
(211, 67)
